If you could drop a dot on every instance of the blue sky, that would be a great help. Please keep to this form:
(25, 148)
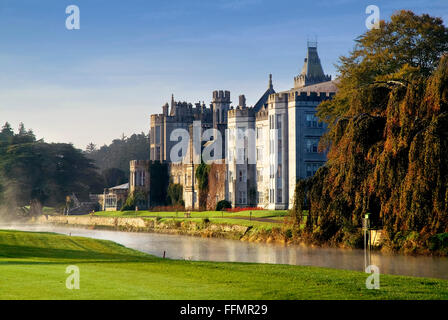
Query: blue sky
(93, 84)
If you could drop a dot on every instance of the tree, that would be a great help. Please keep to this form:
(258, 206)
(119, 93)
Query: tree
(202, 172)
(120, 152)
(387, 135)
(39, 174)
(91, 147)
(175, 194)
(158, 183)
(114, 177)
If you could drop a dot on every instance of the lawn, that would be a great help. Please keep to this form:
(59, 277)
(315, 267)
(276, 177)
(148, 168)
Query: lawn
(276, 217)
(33, 265)
(196, 214)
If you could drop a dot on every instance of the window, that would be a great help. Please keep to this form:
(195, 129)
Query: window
(259, 176)
(311, 145)
(260, 197)
(312, 121)
(241, 176)
(142, 178)
(158, 134)
(259, 153)
(279, 195)
(311, 168)
(242, 198)
(279, 121)
(259, 133)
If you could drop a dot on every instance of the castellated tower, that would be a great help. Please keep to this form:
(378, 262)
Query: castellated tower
(312, 72)
(221, 103)
(139, 182)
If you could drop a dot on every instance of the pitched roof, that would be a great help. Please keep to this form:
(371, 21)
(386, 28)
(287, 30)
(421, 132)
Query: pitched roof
(311, 66)
(121, 187)
(264, 98)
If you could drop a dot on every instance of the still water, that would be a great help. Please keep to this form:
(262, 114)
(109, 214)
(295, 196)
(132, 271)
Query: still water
(206, 249)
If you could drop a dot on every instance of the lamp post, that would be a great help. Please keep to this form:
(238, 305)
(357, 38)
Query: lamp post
(366, 228)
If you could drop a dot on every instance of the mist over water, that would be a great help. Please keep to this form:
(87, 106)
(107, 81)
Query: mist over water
(225, 250)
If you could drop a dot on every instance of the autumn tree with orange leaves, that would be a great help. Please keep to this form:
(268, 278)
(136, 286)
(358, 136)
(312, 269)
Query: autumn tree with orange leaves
(387, 138)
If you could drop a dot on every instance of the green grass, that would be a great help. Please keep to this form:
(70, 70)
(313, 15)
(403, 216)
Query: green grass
(214, 216)
(196, 214)
(217, 217)
(32, 266)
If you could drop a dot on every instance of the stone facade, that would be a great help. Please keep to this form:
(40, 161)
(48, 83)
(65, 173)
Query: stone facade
(139, 181)
(280, 132)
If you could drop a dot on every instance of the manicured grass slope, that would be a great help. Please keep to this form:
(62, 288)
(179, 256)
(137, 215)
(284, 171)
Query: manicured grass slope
(195, 214)
(32, 266)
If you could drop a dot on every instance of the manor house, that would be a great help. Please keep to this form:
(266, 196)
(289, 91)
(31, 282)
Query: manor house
(280, 159)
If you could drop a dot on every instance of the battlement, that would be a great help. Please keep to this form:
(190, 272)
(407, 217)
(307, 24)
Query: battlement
(221, 96)
(310, 95)
(241, 112)
(278, 97)
(157, 118)
(302, 80)
(263, 114)
(139, 164)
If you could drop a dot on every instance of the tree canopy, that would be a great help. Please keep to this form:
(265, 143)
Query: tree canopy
(36, 173)
(120, 152)
(387, 137)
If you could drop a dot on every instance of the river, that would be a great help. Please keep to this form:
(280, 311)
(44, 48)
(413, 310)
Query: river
(209, 249)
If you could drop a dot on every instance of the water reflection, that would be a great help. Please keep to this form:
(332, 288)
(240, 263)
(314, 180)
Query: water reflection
(192, 248)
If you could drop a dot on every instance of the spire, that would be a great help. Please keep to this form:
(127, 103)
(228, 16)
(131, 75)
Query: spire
(270, 86)
(173, 106)
(312, 71)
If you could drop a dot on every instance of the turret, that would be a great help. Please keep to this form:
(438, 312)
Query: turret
(221, 103)
(312, 71)
(242, 101)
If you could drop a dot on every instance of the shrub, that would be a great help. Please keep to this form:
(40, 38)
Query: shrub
(222, 205)
(134, 200)
(175, 194)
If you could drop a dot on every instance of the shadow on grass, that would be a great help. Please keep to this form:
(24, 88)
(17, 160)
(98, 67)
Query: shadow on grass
(22, 252)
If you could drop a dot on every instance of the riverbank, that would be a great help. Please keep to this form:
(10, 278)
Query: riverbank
(229, 227)
(262, 227)
(33, 266)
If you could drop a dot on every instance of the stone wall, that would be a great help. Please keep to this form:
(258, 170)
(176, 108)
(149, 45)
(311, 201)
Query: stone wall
(114, 222)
